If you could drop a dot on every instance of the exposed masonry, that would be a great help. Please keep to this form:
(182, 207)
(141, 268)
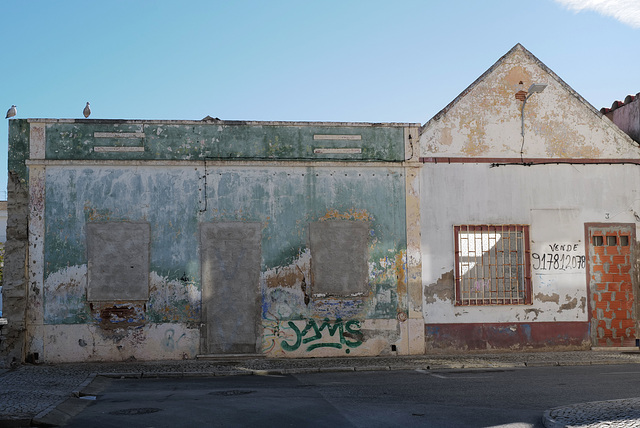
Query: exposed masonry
(14, 288)
(613, 308)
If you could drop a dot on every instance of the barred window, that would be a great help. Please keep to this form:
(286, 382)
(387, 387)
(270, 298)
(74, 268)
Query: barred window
(492, 265)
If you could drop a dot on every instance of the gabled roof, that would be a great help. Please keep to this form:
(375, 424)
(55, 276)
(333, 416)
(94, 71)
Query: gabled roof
(576, 129)
(533, 58)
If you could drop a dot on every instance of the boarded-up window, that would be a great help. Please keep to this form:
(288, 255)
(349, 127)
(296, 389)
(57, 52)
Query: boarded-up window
(339, 257)
(492, 265)
(118, 255)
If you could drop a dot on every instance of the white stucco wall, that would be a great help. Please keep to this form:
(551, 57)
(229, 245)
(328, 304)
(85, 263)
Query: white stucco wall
(459, 186)
(555, 200)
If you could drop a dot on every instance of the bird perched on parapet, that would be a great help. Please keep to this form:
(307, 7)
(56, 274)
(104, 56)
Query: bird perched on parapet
(86, 111)
(11, 112)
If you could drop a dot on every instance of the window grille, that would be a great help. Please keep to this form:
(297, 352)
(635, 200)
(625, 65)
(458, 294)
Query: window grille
(492, 265)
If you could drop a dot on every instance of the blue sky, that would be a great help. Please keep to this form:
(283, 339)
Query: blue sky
(361, 61)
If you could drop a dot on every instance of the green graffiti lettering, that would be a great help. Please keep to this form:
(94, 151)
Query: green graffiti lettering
(349, 335)
(324, 345)
(353, 332)
(337, 325)
(311, 324)
(296, 345)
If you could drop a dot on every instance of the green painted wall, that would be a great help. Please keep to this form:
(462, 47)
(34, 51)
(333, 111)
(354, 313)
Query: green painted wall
(221, 141)
(171, 199)
(176, 198)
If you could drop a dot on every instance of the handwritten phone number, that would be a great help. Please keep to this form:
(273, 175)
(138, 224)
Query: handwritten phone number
(555, 261)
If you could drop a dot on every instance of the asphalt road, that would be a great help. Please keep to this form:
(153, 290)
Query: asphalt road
(431, 398)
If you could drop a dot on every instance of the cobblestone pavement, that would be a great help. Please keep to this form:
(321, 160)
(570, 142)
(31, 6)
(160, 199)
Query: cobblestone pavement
(598, 414)
(30, 392)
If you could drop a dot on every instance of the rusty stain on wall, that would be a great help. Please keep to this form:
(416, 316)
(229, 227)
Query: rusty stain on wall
(351, 214)
(287, 276)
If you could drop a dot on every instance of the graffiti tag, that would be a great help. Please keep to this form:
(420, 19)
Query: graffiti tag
(346, 335)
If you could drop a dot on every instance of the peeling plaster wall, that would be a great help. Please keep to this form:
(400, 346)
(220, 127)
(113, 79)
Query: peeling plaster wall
(486, 120)
(460, 185)
(158, 174)
(555, 200)
(284, 201)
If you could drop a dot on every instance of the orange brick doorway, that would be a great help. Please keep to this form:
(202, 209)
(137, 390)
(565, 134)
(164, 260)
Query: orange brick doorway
(610, 258)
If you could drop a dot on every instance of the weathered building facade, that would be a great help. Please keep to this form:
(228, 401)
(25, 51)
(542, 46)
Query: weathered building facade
(507, 221)
(532, 243)
(161, 240)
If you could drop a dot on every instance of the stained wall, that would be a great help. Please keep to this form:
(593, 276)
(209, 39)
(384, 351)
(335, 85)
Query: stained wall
(554, 166)
(171, 178)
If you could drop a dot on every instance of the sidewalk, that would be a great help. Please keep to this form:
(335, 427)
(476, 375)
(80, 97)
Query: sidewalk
(50, 394)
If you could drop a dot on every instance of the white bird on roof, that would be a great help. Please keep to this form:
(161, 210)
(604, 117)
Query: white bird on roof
(86, 111)
(11, 112)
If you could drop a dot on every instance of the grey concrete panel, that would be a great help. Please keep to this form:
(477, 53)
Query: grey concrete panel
(118, 256)
(231, 260)
(339, 257)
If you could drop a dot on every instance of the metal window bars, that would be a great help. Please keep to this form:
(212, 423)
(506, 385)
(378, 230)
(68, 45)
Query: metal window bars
(492, 265)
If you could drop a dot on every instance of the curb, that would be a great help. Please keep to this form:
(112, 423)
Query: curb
(59, 413)
(78, 391)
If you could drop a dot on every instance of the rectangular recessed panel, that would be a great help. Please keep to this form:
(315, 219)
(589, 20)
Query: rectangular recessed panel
(118, 134)
(111, 149)
(336, 137)
(339, 257)
(231, 259)
(118, 261)
(337, 151)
